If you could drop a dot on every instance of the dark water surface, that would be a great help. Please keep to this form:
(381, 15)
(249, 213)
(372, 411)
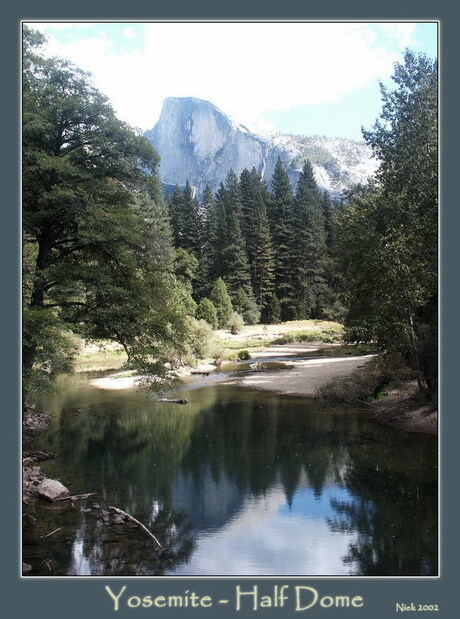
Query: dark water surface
(236, 482)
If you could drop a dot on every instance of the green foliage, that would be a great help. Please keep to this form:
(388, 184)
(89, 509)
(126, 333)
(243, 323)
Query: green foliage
(283, 226)
(244, 355)
(221, 300)
(208, 242)
(185, 266)
(329, 335)
(234, 261)
(310, 248)
(185, 220)
(207, 311)
(55, 348)
(261, 257)
(200, 338)
(235, 323)
(388, 240)
(100, 258)
(370, 382)
(274, 310)
(246, 306)
(264, 243)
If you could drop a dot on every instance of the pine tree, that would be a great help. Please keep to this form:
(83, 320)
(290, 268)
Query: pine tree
(191, 240)
(221, 300)
(185, 220)
(219, 230)
(333, 307)
(274, 310)
(208, 240)
(175, 215)
(310, 246)
(258, 239)
(263, 266)
(235, 268)
(283, 226)
(327, 207)
(250, 191)
(206, 311)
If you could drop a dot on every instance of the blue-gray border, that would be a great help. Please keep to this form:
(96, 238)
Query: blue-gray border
(74, 596)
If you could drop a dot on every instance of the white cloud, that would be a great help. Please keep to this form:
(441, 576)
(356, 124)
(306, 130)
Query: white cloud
(129, 33)
(255, 543)
(244, 68)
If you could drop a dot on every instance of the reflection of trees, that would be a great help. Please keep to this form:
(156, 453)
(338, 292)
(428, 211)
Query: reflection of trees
(394, 512)
(181, 470)
(126, 550)
(84, 544)
(257, 440)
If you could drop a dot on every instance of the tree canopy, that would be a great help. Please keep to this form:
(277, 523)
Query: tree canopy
(388, 233)
(98, 259)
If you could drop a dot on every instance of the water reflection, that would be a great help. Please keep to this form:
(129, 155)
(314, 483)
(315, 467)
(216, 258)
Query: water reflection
(235, 482)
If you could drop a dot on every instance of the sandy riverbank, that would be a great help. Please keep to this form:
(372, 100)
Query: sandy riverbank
(302, 376)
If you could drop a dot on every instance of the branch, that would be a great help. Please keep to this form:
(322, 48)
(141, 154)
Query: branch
(139, 524)
(52, 533)
(75, 497)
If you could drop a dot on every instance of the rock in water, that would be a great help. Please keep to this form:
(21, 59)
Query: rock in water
(51, 489)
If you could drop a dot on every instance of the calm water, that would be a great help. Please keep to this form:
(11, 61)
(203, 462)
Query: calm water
(236, 482)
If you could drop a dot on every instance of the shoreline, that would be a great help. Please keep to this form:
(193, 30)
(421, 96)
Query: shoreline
(303, 378)
(302, 381)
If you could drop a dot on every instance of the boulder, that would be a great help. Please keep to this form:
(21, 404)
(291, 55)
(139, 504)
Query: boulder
(51, 489)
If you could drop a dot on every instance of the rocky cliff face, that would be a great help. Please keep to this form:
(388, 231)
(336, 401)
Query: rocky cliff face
(199, 143)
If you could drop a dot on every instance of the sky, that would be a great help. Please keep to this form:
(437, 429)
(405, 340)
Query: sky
(302, 78)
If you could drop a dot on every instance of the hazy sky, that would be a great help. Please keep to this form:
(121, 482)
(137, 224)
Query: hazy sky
(304, 78)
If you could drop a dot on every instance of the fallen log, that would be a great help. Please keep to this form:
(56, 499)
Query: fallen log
(74, 497)
(139, 524)
(52, 533)
(200, 373)
(175, 401)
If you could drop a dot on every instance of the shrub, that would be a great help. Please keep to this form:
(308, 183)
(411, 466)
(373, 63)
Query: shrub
(246, 306)
(244, 355)
(235, 323)
(207, 311)
(274, 310)
(200, 338)
(369, 382)
(222, 302)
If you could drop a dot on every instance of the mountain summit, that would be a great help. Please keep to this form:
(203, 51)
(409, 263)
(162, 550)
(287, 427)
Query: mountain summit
(199, 143)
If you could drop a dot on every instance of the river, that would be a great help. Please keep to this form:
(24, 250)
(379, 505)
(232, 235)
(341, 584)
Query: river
(235, 482)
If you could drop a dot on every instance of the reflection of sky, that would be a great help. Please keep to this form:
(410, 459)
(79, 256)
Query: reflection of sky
(267, 532)
(80, 564)
(305, 503)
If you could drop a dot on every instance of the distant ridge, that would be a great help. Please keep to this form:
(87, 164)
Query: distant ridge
(199, 143)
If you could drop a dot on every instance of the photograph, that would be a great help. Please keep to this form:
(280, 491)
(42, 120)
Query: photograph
(230, 300)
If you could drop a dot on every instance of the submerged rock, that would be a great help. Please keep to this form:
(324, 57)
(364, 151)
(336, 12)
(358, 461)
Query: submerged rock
(51, 489)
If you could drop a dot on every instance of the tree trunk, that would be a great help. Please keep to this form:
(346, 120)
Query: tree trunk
(421, 382)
